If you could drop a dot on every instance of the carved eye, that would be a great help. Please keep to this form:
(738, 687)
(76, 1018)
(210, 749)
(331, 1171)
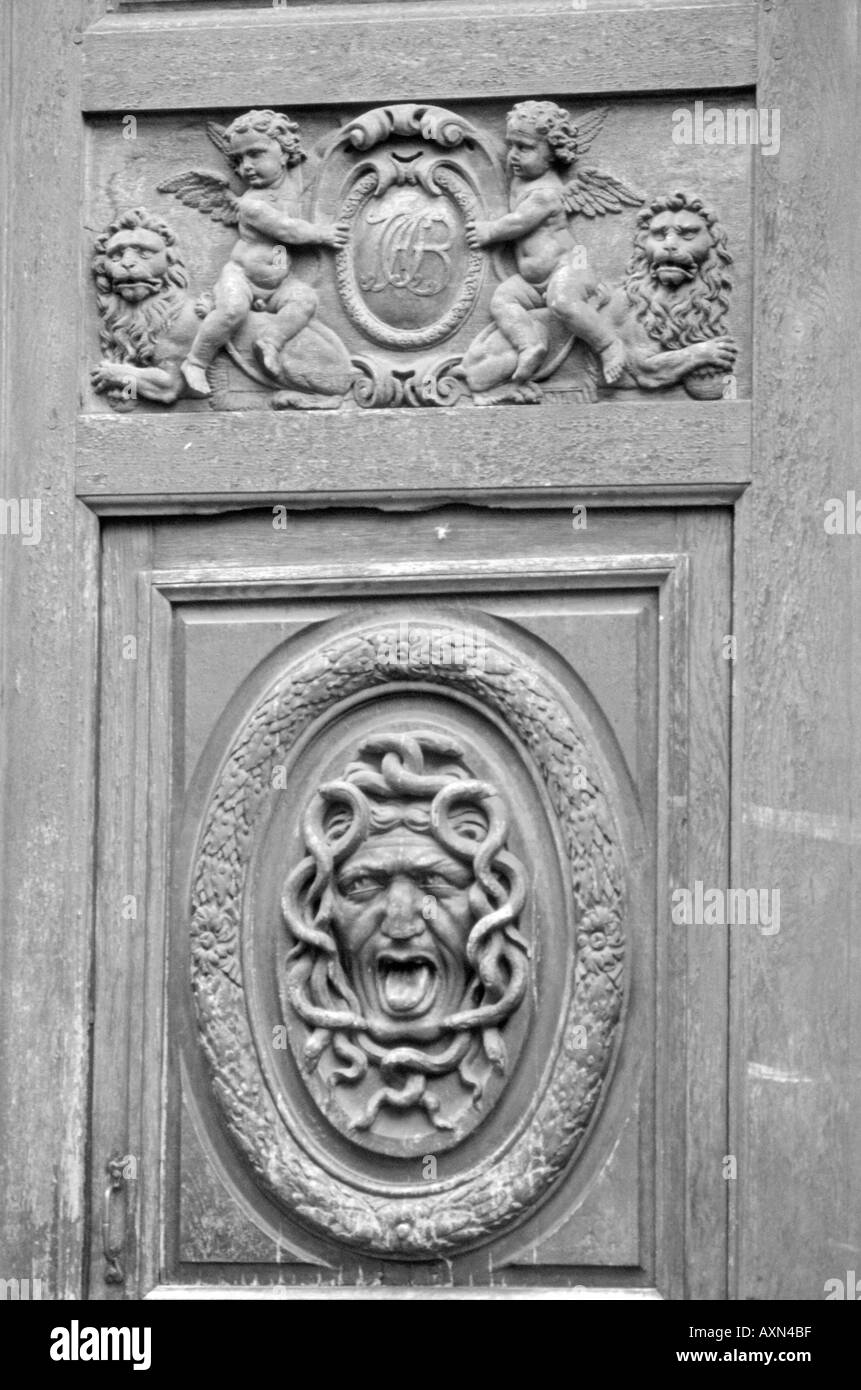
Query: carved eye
(358, 886)
(434, 883)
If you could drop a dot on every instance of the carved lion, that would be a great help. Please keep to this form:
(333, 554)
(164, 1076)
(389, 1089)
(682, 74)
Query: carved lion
(670, 313)
(148, 319)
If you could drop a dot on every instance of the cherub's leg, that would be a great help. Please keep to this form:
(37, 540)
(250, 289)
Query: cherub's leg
(233, 297)
(569, 292)
(510, 308)
(292, 308)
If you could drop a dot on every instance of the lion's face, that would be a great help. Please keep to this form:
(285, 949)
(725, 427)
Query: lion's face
(675, 245)
(136, 263)
(401, 916)
(677, 280)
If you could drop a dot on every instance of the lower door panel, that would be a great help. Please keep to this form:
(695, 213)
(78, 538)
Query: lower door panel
(389, 992)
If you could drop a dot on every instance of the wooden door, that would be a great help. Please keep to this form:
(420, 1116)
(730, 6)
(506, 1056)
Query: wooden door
(424, 590)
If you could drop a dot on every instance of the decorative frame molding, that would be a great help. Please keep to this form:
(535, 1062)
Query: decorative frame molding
(51, 610)
(434, 1218)
(627, 454)
(283, 56)
(152, 593)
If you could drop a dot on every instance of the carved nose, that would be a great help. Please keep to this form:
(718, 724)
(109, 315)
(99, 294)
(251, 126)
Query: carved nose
(403, 911)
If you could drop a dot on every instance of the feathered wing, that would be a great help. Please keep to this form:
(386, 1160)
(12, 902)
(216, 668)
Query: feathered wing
(588, 127)
(593, 194)
(218, 135)
(211, 194)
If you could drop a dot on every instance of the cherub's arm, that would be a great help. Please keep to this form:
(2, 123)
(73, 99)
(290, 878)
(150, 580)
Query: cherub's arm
(290, 231)
(531, 213)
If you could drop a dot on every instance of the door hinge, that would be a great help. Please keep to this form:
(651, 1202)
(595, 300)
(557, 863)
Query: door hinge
(114, 1217)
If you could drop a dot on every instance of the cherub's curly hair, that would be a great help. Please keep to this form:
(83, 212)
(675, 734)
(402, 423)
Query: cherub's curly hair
(701, 313)
(553, 123)
(274, 124)
(417, 779)
(128, 332)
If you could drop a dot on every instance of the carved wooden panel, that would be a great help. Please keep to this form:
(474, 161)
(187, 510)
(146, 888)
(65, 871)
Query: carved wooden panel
(419, 1024)
(416, 255)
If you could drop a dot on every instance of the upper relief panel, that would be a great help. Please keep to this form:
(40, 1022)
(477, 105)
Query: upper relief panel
(415, 255)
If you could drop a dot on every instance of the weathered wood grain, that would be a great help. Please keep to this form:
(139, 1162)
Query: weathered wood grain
(281, 55)
(797, 1101)
(183, 462)
(194, 563)
(49, 666)
(122, 904)
(706, 948)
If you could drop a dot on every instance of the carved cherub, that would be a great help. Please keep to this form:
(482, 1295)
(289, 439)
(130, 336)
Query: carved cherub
(264, 149)
(670, 313)
(544, 145)
(148, 318)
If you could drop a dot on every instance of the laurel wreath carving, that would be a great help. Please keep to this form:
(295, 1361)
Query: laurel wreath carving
(442, 1217)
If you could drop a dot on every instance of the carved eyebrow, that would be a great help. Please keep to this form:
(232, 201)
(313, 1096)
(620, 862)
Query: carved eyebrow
(438, 862)
(361, 867)
(421, 864)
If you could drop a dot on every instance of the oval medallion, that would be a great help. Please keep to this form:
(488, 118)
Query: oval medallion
(379, 969)
(407, 276)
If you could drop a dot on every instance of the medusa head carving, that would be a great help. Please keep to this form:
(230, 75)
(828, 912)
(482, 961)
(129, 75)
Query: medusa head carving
(407, 962)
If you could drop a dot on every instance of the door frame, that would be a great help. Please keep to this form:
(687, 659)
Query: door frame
(792, 1000)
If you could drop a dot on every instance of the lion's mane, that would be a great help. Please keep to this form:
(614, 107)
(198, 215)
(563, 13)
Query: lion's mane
(130, 330)
(698, 314)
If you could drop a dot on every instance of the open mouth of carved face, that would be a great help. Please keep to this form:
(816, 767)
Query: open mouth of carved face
(674, 272)
(135, 288)
(406, 984)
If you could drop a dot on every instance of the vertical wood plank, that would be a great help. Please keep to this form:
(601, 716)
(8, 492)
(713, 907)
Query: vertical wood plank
(49, 663)
(121, 1021)
(708, 861)
(797, 1102)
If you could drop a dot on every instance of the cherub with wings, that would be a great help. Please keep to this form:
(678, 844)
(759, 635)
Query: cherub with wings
(544, 144)
(264, 150)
